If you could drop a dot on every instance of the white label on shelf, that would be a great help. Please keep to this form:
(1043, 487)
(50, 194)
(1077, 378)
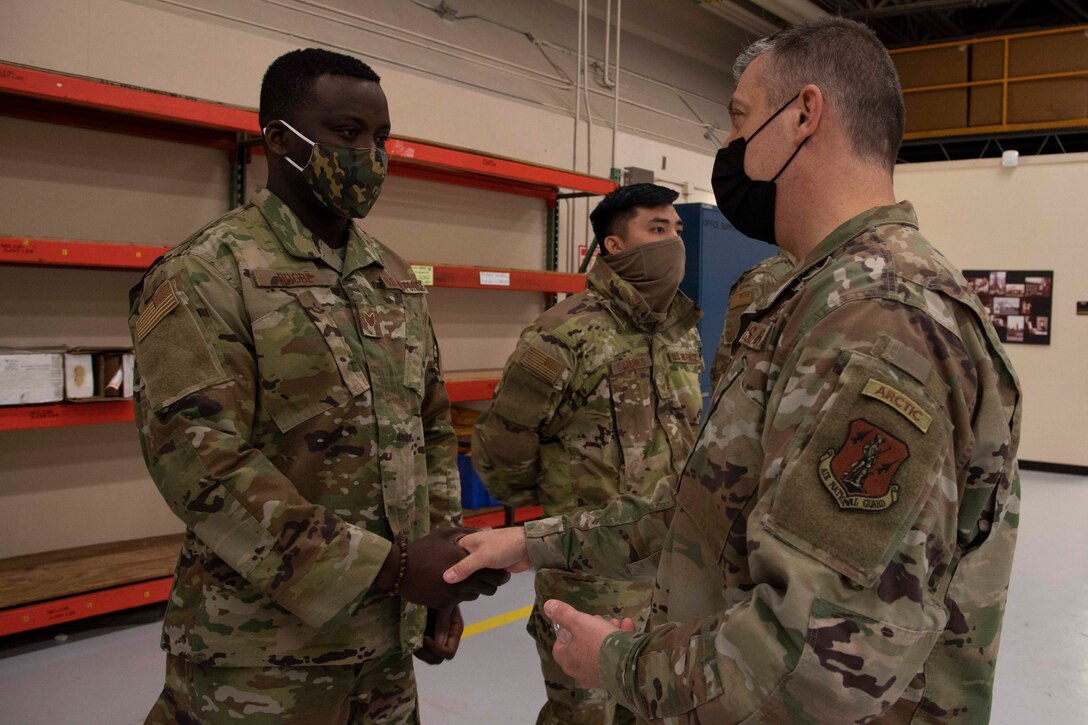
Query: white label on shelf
(31, 378)
(424, 273)
(495, 279)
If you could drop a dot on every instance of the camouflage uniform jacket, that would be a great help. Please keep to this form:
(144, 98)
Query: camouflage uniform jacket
(292, 413)
(749, 287)
(601, 397)
(838, 547)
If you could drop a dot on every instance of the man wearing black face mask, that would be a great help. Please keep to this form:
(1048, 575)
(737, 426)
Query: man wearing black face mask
(839, 544)
(292, 412)
(601, 398)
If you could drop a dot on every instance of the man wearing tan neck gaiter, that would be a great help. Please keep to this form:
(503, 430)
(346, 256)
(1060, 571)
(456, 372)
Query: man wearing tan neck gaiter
(600, 398)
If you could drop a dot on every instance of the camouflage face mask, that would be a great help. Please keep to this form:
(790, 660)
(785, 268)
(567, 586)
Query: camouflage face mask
(346, 180)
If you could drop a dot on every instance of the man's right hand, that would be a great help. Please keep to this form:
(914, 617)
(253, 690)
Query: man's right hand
(428, 558)
(490, 550)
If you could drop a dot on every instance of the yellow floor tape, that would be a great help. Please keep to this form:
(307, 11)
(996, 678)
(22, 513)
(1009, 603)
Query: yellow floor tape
(497, 621)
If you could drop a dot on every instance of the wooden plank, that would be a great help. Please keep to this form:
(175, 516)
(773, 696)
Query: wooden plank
(55, 574)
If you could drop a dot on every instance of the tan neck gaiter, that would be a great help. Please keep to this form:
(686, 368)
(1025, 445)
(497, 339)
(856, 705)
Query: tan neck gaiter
(655, 270)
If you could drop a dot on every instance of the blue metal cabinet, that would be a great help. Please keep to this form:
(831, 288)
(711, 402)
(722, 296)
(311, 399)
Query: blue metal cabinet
(717, 254)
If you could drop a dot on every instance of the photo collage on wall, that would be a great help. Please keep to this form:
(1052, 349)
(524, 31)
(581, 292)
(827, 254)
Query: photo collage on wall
(1018, 303)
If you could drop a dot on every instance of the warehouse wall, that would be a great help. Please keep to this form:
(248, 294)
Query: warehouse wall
(1032, 217)
(83, 485)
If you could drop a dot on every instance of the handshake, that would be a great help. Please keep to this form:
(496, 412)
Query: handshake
(426, 561)
(441, 570)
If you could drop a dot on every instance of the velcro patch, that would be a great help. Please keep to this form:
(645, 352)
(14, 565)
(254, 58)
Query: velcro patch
(860, 474)
(541, 365)
(636, 362)
(159, 306)
(309, 278)
(413, 287)
(742, 298)
(689, 357)
(755, 335)
(912, 411)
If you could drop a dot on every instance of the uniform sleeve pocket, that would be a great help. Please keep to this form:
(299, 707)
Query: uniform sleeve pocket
(867, 664)
(175, 353)
(679, 679)
(875, 454)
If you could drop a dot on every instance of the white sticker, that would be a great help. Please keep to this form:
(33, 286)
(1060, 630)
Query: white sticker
(495, 279)
(424, 273)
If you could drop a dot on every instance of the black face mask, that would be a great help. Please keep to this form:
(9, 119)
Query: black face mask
(747, 204)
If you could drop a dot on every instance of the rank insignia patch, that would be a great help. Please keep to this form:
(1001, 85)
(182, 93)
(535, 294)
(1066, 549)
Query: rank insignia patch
(860, 474)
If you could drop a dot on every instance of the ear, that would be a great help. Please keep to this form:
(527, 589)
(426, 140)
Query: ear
(612, 244)
(275, 138)
(812, 110)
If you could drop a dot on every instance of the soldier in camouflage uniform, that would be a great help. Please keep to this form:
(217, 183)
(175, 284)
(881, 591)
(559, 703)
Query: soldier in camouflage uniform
(600, 398)
(291, 410)
(838, 548)
(750, 287)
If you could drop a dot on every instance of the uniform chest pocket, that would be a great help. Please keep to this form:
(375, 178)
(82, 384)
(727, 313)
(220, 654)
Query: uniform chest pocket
(724, 469)
(631, 393)
(686, 397)
(304, 363)
(395, 335)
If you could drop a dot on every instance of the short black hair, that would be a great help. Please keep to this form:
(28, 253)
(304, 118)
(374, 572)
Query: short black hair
(288, 81)
(619, 207)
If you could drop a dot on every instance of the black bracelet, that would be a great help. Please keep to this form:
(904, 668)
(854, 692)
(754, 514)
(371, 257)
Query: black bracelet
(403, 566)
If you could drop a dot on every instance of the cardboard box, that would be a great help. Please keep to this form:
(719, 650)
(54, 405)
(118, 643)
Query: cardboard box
(31, 376)
(932, 67)
(935, 110)
(1057, 99)
(1057, 53)
(94, 374)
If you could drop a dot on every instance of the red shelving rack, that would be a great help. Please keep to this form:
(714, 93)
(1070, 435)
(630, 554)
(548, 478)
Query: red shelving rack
(43, 95)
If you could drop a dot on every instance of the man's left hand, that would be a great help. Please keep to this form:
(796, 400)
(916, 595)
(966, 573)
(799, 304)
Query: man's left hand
(579, 639)
(442, 635)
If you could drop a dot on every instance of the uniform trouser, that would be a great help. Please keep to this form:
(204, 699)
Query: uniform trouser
(382, 690)
(568, 703)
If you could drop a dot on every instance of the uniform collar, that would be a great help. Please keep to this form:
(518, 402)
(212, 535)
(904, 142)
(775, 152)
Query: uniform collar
(901, 214)
(625, 301)
(299, 241)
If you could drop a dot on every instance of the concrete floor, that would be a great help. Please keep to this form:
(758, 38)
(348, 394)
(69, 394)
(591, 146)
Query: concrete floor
(109, 673)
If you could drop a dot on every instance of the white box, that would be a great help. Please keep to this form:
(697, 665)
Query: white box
(78, 375)
(129, 363)
(31, 376)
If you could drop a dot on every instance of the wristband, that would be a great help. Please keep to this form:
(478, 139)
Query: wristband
(395, 591)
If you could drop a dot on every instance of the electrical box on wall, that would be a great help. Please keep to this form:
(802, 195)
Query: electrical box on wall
(635, 175)
(717, 254)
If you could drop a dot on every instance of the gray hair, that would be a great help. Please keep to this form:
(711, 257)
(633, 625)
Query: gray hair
(852, 69)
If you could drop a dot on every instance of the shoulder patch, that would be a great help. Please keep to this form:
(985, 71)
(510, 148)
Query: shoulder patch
(860, 474)
(900, 401)
(541, 365)
(155, 309)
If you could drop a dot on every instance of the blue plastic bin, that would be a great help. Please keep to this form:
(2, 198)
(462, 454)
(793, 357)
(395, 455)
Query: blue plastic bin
(473, 493)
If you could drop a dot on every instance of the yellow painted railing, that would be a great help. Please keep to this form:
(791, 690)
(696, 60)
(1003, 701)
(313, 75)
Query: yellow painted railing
(1005, 81)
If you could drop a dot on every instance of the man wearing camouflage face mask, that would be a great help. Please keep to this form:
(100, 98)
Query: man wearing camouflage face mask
(601, 398)
(292, 412)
